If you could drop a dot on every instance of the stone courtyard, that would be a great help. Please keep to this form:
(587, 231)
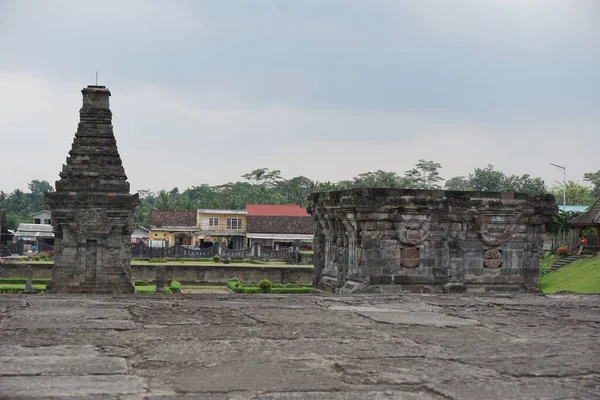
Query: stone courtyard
(408, 346)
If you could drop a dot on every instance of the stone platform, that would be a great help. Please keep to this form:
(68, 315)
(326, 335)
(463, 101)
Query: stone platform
(299, 347)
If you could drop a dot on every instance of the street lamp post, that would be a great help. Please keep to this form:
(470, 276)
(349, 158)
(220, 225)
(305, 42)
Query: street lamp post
(564, 170)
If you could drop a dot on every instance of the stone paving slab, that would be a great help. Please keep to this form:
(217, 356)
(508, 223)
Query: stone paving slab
(55, 365)
(230, 347)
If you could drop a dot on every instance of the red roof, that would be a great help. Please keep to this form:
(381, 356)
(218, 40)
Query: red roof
(287, 210)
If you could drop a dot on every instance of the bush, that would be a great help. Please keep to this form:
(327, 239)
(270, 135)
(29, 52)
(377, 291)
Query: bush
(175, 286)
(233, 279)
(226, 260)
(265, 285)
(216, 259)
(563, 251)
(141, 283)
(149, 289)
(158, 260)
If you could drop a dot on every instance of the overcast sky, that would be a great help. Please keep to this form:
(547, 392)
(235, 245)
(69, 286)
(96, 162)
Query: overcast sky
(205, 91)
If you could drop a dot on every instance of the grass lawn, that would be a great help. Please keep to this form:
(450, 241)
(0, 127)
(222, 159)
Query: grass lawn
(582, 276)
(203, 287)
(546, 262)
(16, 288)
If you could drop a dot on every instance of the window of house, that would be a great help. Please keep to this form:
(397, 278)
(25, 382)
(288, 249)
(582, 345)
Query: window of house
(213, 222)
(36, 221)
(234, 223)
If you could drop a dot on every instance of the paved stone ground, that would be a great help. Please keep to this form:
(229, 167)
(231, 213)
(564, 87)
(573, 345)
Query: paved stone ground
(299, 347)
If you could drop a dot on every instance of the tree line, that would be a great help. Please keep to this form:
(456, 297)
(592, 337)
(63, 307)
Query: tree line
(266, 186)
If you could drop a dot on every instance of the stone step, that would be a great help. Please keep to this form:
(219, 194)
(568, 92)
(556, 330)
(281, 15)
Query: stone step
(564, 261)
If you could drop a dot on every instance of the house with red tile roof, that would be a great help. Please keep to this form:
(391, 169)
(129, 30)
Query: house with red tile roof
(198, 229)
(278, 225)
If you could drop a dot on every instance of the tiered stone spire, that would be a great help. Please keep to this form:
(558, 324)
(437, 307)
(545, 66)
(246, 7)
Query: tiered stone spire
(92, 210)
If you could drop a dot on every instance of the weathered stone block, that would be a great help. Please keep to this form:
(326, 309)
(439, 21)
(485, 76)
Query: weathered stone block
(427, 238)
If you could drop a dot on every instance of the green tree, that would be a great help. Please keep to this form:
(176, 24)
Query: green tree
(377, 179)
(487, 179)
(524, 184)
(164, 202)
(262, 182)
(425, 175)
(594, 179)
(38, 191)
(17, 202)
(458, 183)
(296, 190)
(576, 194)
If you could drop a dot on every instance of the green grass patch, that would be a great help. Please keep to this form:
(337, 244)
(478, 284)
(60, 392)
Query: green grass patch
(546, 263)
(16, 288)
(582, 276)
(236, 286)
(203, 287)
(308, 252)
(22, 281)
(149, 289)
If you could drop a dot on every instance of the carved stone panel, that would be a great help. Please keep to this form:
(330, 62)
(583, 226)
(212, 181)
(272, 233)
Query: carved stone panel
(409, 257)
(492, 258)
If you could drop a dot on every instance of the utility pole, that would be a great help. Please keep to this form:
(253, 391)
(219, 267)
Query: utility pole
(564, 170)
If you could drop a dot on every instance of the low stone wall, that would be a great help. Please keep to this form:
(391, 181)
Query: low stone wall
(387, 240)
(186, 274)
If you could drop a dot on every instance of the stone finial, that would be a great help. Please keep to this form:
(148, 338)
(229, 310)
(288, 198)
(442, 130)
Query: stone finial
(96, 97)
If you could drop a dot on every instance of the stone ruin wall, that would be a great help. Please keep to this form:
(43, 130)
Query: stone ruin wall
(388, 240)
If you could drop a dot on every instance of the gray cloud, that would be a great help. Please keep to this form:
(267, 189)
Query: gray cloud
(205, 91)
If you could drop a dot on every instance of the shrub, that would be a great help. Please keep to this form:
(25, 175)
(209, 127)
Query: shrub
(216, 259)
(158, 260)
(175, 286)
(233, 279)
(563, 251)
(265, 285)
(226, 260)
(237, 284)
(51, 253)
(141, 283)
(43, 256)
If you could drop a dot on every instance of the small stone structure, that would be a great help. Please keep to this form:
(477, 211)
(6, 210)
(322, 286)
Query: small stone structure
(385, 240)
(92, 210)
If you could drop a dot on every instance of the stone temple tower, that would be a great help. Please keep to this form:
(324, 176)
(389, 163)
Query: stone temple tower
(92, 209)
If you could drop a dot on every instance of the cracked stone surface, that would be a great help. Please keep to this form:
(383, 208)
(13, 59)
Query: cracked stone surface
(230, 347)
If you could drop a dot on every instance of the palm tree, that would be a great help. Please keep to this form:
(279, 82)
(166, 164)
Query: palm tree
(164, 202)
